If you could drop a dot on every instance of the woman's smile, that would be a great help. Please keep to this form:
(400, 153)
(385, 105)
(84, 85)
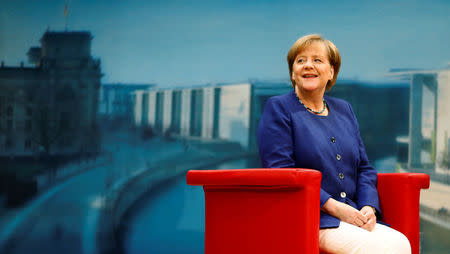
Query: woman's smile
(309, 76)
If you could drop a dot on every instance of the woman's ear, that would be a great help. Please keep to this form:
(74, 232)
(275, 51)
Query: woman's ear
(331, 73)
(293, 76)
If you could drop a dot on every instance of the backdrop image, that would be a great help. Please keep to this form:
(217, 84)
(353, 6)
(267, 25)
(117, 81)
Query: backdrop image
(105, 105)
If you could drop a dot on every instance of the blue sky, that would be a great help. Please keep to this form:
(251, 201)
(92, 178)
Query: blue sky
(191, 42)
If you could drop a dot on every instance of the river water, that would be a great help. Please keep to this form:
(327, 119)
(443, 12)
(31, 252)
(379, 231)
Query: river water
(170, 219)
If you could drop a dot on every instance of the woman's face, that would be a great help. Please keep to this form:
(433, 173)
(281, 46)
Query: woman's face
(311, 69)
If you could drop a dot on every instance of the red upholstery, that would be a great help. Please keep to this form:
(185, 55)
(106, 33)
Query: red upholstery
(277, 210)
(399, 200)
(260, 210)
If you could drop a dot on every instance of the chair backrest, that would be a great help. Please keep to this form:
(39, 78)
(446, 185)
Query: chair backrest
(399, 200)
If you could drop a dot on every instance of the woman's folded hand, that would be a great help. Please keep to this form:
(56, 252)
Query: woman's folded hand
(369, 213)
(346, 213)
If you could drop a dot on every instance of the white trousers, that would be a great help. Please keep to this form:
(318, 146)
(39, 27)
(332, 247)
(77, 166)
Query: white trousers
(350, 239)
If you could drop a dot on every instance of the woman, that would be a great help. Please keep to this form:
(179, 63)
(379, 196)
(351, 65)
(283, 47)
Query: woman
(307, 129)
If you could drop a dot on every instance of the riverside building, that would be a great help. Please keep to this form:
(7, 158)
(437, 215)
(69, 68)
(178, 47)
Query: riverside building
(51, 107)
(232, 111)
(428, 140)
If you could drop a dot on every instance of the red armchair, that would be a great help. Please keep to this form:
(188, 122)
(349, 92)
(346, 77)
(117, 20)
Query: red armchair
(399, 195)
(277, 210)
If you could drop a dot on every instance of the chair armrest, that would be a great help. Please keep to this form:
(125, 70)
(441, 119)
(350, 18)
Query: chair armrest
(280, 177)
(399, 202)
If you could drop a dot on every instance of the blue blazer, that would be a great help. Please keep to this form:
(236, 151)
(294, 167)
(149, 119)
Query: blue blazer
(289, 136)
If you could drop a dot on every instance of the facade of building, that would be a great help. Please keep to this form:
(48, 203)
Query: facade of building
(382, 110)
(232, 111)
(115, 100)
(218, 111)
(429, 118)
(51, 108)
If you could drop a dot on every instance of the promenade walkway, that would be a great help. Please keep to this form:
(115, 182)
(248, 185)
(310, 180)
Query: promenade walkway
(437, 196)
(435, 204)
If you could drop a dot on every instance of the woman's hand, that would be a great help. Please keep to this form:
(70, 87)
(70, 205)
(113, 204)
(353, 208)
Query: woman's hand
(369, 213)
(345, 212)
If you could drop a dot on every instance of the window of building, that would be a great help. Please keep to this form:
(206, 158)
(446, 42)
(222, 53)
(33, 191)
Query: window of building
(9, 125)
(64, 121)
(28, 125)
(105, 95)
(29, 111)
(8, 143)
(65, 141)
(9, 111)
(27, 144)
(51, 124)
(29, 97)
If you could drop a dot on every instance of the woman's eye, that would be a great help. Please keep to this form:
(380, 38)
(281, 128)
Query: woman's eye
(300, 61)
(317, 60)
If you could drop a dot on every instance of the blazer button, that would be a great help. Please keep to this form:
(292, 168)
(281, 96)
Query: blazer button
(343, 194)
(338, 157)
(333, 140)
(341, 175)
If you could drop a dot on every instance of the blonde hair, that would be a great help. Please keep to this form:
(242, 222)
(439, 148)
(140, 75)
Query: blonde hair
(303, 42)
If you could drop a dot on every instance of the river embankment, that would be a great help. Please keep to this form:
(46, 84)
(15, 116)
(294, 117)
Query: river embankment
(121, 197)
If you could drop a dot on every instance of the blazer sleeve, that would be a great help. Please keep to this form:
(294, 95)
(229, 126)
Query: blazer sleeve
(366, 188)
(275, 139)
